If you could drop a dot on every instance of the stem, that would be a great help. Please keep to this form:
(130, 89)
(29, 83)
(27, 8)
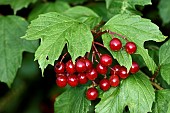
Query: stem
(157, 86)
(155, 74)
(97, 43)
(94, 83)
(96, 51)
(114, 33)
(99, 34)
(97, 26)
(63, 57)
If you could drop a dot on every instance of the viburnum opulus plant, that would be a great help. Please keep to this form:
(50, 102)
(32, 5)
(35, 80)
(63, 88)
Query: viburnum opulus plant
(99, 58)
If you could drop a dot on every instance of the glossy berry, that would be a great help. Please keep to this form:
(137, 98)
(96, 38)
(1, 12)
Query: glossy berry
(70, 67)
(82, 78)
(115, 70)
(80, 66)
(101, 69)
(87, 62)
(92, 74)
(91, 94)
(134, 68)
(72, 80)
(130, 47)
(123, 72)
(114, 80)
(115, 44)
(104, 84)
(59, 67)
(106, 60)
(61, 81)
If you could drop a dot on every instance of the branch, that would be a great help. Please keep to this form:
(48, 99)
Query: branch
(157, 86)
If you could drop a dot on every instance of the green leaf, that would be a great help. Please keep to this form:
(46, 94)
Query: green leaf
(165, 72)
(137, 30)
(17, 4)
(72, 100)
(164, 61)
(11, 46)
(100, 9)
(162, 104)
(164, 53)
(136, 92)
(56, 30)
(42, 8)
(74, 1)
(124, 6)
(164, 11)
(84, 14)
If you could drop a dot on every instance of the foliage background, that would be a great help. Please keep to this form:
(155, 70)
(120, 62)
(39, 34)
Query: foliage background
(30, 92)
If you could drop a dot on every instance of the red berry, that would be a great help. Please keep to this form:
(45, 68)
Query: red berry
(130, 47)
(114, 80)
(91, 94)
(123, 72)
(59, 67)
(115, 44)
(101, 69)
(88, 63)
(82, 78)
(72, 80)
(115, 70)
(80, 66)
(134, 68)
(70, 67)
(92, 74)
(106, 60)
(61, 81)
(104, 84)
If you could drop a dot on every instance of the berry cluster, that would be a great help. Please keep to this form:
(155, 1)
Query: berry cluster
(85, 70)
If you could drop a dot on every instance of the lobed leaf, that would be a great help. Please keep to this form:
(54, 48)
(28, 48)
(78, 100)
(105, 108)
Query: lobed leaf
(11, 46)
(124, 6)
(162, 102)
(55, 30)
(83, 14)
(136, 92)
(164, 61)
(137, 30)
(72, 100)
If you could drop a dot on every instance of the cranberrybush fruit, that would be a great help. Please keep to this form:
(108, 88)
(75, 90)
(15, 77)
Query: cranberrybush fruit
(82, 78)
(70, 67)
(115, 44)
(106, 60)
(59, 67)
(101, 69)
(61, 80)
(134, 68)
(92, 74)
(80, 66)
(88, 64)
(91, 93)
(123, 72)
(104, 84)
(114, 80)
(115, 70)
(130, 47)
(72, 80)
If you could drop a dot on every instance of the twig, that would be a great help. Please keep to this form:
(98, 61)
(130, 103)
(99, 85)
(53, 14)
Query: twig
(99, 34)
(155, 74)
(96, 51)
(97, 43)
(156, 86)
(114, 33)
(63, 57)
